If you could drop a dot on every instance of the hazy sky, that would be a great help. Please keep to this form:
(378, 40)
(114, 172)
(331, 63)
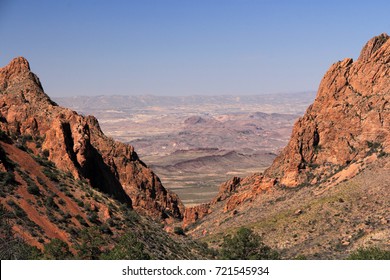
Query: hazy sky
(183, 47)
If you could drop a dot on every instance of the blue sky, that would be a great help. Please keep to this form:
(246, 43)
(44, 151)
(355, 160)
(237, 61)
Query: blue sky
(185, 47)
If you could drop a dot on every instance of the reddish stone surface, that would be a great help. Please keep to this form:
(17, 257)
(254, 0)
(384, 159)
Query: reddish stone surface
(77, 145)
(346, 128)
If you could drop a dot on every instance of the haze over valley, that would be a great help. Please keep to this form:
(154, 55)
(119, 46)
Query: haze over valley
(195, 143)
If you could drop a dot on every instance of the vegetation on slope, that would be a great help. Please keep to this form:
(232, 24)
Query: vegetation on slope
(47, 213)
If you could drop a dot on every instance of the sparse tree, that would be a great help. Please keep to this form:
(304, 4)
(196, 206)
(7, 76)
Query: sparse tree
(57, 249)
(246, 245)
(11, 246)
(90, 245)
(128, 247)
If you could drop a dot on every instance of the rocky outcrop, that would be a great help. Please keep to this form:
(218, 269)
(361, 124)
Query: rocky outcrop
(227, 189)
(195, 213)
(345, 129)
(349, 120)
(77, 145)
(232, 193)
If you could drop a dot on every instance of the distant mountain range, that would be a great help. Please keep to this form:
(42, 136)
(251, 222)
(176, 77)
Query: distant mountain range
(121, 102)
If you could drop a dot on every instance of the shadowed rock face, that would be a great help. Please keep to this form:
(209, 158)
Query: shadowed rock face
(77, 145)
(346, 128)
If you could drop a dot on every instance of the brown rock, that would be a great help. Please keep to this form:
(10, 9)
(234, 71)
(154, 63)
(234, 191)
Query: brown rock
(227, 189)
(77, 145)
(192, 214)
(346, 128)
(349, 118)
(298, 212)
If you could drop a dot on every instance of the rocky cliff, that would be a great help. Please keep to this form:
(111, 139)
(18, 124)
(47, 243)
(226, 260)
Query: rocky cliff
(348, 121)
(76, 144)
(345, 129)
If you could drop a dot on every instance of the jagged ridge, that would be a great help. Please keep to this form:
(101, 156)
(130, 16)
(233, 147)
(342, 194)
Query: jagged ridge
(77, 145)
(346, 128)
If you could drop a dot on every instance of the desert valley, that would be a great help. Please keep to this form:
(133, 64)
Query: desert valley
(195, 143)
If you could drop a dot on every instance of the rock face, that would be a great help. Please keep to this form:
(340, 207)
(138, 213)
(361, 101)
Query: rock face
(346, 128)
(349, 119)
(77, 145)
(233, 192)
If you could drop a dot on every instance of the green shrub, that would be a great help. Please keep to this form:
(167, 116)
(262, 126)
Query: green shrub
(93, 217)
(80, 203)
(45, 153)
(61, 201)
(90, 244)
(81, 220)
(50, 203)
(246, 245)
(41, 182)
(7, 178)
(33, 189)
(51, 174)
(104, 228)
(370, 253)
(57, 250)
(300, 257)
(179, 231)
(127, 248)
(19, 212)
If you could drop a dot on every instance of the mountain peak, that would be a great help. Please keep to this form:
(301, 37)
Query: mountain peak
(20, 63)
(372, 46)
(17, 67)
(76, 144)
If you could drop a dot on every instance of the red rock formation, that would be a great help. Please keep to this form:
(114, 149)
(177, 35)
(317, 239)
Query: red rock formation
(76, 144)
(346, 128)
(348, 120)
(193, 214)
(226, 189)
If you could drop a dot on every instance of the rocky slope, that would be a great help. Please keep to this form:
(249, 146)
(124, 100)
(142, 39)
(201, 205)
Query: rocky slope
(62, 217)
(343, 132)
(77, 145)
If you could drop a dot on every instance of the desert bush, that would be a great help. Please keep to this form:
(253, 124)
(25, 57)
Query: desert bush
(57, 249)
(90, 244)
(19, 212)
(246, 245)
(81, 220)
(33, 189)
(7, 178)
(130, 216)
(7, 183)
(370, 253)
(79, 202)
(68, 194)
(51, 174)
(93, 217)
(128, 247)
(3, 135)
(41, 182)
(50, 203)
(45, 153)
(104, 228)
(61, 201)
(179, 231)
(12, 247)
